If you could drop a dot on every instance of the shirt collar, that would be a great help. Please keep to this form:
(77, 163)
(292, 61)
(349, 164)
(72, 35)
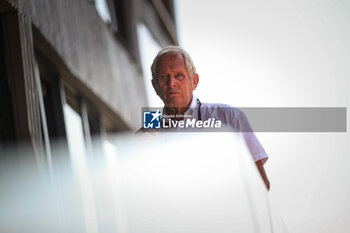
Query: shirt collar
(191, 110)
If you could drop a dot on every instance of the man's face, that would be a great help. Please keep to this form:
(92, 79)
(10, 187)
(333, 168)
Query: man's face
(174, 84)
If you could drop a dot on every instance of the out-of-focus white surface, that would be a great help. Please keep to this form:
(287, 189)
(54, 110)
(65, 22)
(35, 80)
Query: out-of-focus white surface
(199, 190)
(164, 183)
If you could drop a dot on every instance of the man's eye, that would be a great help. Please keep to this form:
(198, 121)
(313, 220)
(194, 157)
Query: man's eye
(163, 77)
(180, 76)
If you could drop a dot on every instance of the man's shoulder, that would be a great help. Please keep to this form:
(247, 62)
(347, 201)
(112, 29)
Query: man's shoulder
(221, 107)
(228, 114)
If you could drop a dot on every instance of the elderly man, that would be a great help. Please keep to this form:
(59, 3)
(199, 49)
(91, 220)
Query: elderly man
(175, 79)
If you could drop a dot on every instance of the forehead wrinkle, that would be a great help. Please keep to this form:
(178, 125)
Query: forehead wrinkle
(170, 68)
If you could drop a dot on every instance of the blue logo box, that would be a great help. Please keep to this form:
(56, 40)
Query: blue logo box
(151, 119)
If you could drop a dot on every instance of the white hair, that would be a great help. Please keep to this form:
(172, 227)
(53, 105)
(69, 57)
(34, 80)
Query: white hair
(191, 69)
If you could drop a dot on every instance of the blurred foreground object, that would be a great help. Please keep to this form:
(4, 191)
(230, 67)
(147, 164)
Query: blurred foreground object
(130, 185)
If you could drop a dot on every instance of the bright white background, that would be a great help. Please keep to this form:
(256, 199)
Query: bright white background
(282, 53)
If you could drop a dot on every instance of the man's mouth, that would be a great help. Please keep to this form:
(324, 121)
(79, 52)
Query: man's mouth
(172, 93)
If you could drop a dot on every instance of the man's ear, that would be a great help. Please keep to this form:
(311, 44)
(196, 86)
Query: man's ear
(155, 85)
(195, 80)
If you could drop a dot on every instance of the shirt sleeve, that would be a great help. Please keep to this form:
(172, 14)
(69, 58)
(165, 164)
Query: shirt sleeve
(237, 120)
(241, 124)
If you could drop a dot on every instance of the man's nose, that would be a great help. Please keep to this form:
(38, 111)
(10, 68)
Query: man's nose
(172, 82)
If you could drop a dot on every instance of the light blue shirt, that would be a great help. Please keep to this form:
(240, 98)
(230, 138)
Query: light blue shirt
(231, 117)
